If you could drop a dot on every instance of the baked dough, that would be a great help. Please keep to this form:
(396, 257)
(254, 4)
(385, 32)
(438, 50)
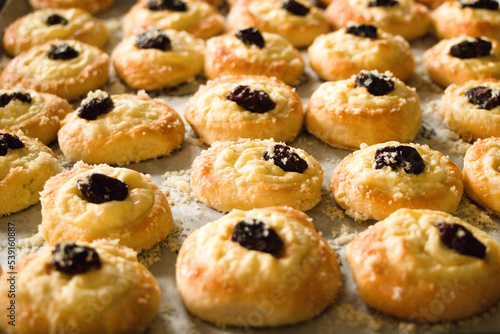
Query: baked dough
(38, 118)
(153, 68)
(121, 296)
(482, 174)
(432, 4)
(236, 175)
(135, 129)
(214, 117)
(407, 18)
(370, 193)
(33, 29)
(228, 55)
(346, 116)
(451, 20)
(270, 16)
(139, 221)
(200, 19)
(446, 69)
(92, 6)
(402, 267)
(23, 172)
(68, 79)
(339, 55)
(227, 284)
(471, 121)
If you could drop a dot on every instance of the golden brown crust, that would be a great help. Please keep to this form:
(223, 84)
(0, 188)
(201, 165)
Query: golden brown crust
(221, 60)
(253, 183)
(92, 75)
(203, 111)
(446, 69)
(31, 30)
(481, 173)
(450, 20)
(91, 6)
(394, 275)
(139, 234)
(408, 19)
(358, 117)
(121, 297)
(273, 291)
(369, 193)
(201, 20)
(100, 141)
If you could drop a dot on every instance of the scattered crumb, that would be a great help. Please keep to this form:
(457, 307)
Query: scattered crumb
(179, 182)
(333, 212)
(173, 242)
(474, 215)
(358, 318)
(343, 238)
(192, 138)
(32, 244)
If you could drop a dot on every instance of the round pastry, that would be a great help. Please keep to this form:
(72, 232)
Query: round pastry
(264, 267)
(44, 25)
(368, 108)
(194, 16)
(25, 165)
(254, 107)
(347, 51)
(90, 203)
(482, 174)
(299, 21)
(377, 180)
(91, 6)
(472, 109)
(475, 18)
(155, 58)
(460, 59)
(248, 51)
(120, 129)
(425, 266)
(67, 68)
(81, 288)
(37, 115)
(251, 174)
(398, 17)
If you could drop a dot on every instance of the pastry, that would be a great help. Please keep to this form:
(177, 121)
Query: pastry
(254, 107)
(81, 288)
(155, 58)
(368, 108)
(460, 59)
(44, 25)
(120, 129)
(197, 17)
(398, 17)
(37, 115)
(475, 18)
(66, 68)
(25, 165)
(248, 51)
(299, 21)
(264, 267)
(251, 174)
(349, 50)
(92, 6)
(89, 203)
(377, 180)
(425, 266)
(472, 109)
(482, 175)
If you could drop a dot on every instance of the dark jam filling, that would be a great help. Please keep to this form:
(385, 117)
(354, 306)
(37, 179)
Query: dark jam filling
(484, 97)
(62, 52)
(7, 97)
(377, 84)
(362, 30)
(72, 259)
(295, 8)
(474, 48)
(153, 39)
(258, 236)
(95, 107)
(382, 3)
(402, 156)
(479, 4)
(173, 5)
(457, 237)
(285, 158)
(251, 36)
(99, 188)
(256, 101)
(8, 141)
(56, 19)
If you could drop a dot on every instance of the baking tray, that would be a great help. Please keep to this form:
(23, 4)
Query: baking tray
(348, 314)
